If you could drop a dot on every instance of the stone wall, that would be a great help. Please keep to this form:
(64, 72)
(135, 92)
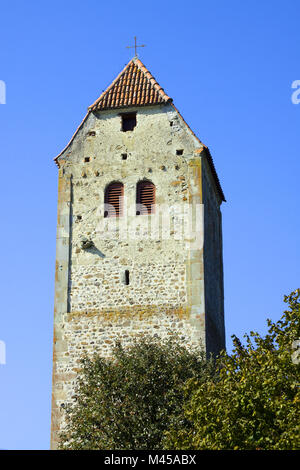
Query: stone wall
(213, 266)
(94, 307)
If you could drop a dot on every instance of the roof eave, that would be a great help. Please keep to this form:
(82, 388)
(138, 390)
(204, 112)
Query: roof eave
(209, 157)
(136, 106)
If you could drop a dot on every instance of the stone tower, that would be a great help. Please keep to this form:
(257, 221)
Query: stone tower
(139, 235)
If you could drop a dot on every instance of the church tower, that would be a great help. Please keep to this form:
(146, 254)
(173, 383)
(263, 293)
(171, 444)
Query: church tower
(139, 231)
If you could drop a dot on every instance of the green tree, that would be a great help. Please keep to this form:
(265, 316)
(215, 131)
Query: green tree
(255, 402)
(128, 401)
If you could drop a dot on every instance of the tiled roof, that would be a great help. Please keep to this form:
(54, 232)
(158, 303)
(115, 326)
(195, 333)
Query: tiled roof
(134, 86)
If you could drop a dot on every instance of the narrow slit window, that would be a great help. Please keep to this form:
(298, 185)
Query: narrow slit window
(113, 200)
(126, 278)
(128, 121)
(145, 198)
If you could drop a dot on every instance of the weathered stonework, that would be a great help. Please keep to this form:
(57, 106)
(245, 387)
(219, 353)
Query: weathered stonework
(175, 286)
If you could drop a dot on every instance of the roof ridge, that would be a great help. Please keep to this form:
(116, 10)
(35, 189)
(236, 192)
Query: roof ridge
(110, 86)
(153, 81)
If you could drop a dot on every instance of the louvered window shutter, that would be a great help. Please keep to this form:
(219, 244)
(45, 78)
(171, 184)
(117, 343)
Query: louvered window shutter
(113, 200)
(145, 198)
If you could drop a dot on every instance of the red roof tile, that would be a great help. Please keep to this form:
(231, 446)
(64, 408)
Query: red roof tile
(134, 86)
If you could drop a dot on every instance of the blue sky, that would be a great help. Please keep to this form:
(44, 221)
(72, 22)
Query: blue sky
(229, 67)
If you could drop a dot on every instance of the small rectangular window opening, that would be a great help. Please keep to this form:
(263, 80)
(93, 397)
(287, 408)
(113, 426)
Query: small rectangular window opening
(126, 278)
(179, 152)
(128, 121)
(124, 156)
(87, 159)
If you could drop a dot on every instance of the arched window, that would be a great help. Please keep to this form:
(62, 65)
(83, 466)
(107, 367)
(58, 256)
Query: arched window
(145, 198)
(113, 200)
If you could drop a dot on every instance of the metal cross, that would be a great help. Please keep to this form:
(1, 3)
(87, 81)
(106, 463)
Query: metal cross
(135, 47)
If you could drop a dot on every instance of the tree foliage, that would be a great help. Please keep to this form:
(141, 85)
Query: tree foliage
(255, 403)
(129, 400)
